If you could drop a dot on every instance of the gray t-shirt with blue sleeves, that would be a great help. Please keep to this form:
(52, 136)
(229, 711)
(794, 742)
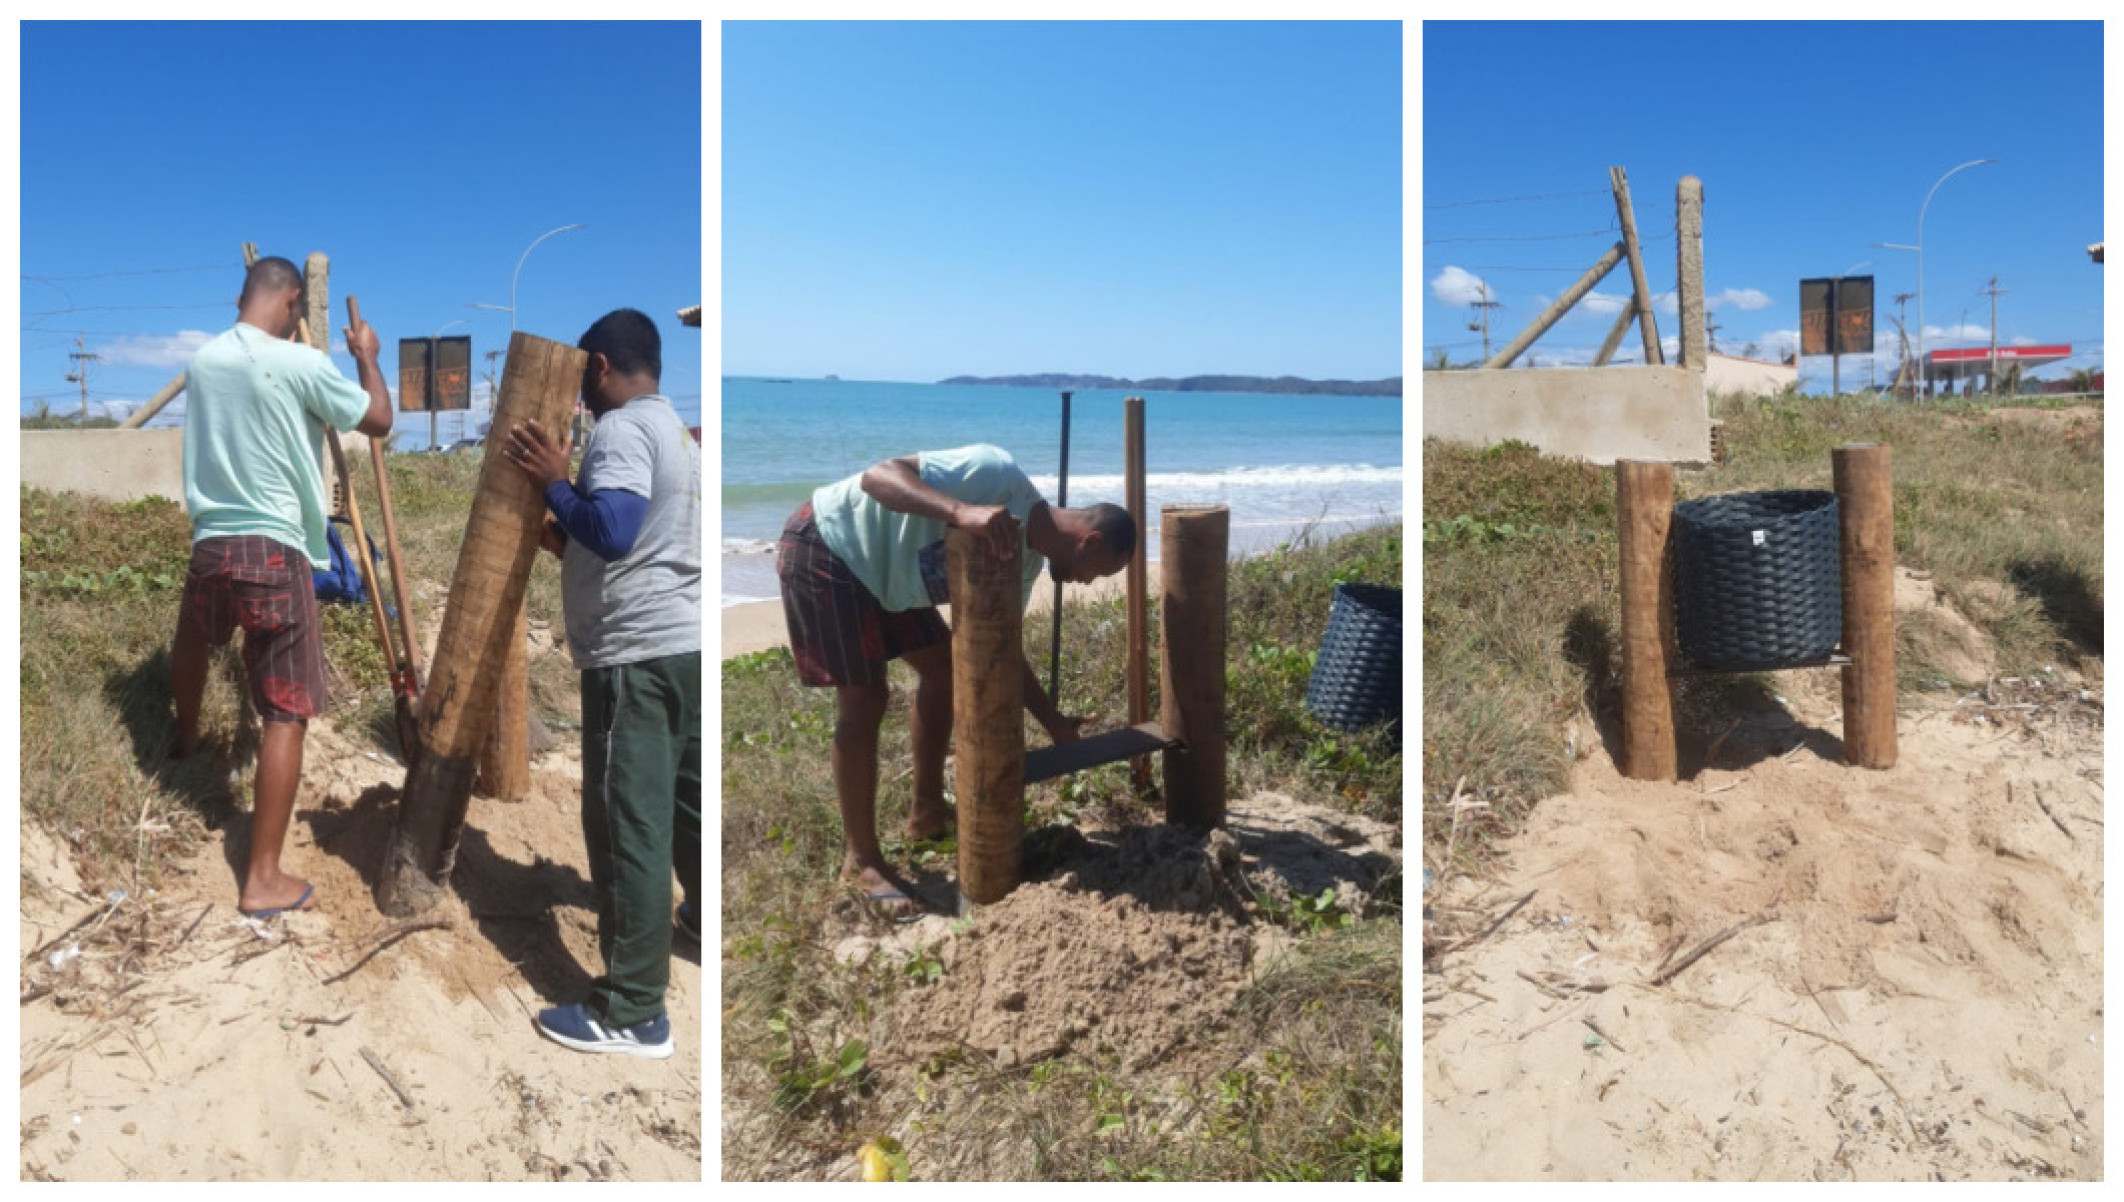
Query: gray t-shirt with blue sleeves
(647, 603)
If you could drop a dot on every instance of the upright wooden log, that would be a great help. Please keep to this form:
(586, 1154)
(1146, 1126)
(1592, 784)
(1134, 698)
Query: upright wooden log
(1644, 510)
(1194, 542)
(1865, 501)
(988, 715)
(1689, 271)
(1560, 306)
(486, 590)
(1139, 769)
(1626, 216)
(505, 758)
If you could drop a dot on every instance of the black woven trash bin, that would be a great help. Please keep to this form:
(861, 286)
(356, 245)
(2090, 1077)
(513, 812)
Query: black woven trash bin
(1758, 579)
(1356, 679)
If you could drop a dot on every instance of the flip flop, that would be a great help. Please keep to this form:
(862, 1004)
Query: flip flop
(888, 898)
(277, 911)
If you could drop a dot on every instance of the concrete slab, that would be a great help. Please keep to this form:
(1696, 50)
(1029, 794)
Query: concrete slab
(126, 465)
(1597, 414)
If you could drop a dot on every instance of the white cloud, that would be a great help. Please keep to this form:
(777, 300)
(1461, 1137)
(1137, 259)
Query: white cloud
(1739, 298)
(2023, 340)
(1967, 331)
(1456, 286)
(1603, 303)
(154, 350)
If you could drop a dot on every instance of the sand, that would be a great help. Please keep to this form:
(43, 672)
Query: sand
(1921, 998)
(233, 1054)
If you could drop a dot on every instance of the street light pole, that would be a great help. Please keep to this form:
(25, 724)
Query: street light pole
(1924, 372)
(518, 273)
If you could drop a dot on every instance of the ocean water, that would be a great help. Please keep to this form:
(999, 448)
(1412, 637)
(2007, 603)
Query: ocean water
(1283, 463)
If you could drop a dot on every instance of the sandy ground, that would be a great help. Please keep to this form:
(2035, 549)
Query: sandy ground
(758, 625)
(1919, 996)
(185, 1042)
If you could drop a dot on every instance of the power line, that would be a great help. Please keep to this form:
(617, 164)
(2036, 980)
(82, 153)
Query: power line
(1606, 229)
(122, 308)
(109, 275)
(1505, 200)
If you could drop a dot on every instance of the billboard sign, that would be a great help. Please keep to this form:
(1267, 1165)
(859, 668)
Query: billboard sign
(413, 360)
(1836, 315)
(434, 373)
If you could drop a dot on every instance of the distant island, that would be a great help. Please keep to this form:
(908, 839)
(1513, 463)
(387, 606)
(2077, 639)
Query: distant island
(1288, 385)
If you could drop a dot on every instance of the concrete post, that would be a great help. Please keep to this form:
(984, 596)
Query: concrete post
(1689, 270)
(1648, 326)
(1562, 305)
(1616, 332)
(486, 589)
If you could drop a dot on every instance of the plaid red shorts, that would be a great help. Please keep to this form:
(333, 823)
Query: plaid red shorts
(266, 588)
(838, 631)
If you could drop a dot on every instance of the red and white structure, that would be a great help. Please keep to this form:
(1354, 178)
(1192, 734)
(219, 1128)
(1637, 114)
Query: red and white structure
(1970, 362)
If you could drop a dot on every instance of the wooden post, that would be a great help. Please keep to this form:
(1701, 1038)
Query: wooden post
(317, 300)
(1615, 333)
(1540, 325)
(988, 715)
(505, 758)
(487, 587)
(1619, 181)
(1139, 769)
(1865, 501)
(1194, 542)
(1644, 509)
(163, 396)
(1689, 270)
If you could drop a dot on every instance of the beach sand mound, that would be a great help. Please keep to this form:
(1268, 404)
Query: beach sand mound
(1130, 944)
(1908, 987)
(183, 1041)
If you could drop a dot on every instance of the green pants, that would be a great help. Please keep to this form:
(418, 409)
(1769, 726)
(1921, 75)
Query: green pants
(641, 820)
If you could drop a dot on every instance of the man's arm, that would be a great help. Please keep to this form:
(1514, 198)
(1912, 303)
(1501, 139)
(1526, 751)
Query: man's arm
(1059, 727)
(897, 485)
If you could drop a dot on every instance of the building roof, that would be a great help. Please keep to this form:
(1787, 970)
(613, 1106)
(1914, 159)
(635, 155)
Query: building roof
(690, 316)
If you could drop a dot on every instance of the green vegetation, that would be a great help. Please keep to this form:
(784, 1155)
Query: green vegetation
(1314, 1091)
(99, 592)
(1520, 574)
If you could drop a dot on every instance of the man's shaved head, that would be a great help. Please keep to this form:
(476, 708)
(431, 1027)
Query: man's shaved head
(270, 274)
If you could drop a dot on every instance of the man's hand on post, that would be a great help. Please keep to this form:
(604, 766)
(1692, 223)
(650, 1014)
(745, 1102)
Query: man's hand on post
(998, 530)
(543, 458)
(362, 342)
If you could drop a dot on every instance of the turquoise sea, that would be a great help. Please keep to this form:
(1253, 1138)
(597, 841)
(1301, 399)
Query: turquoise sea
(1283, 463)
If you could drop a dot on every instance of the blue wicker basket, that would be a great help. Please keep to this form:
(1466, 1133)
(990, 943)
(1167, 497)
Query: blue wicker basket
(1356, 679)
(1758, 579)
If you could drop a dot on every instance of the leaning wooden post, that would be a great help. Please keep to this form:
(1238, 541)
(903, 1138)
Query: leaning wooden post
(1194, 541)
(1644, 509)
(1549, 316)
(505, 758)
(493, 570)
(154, 405)
(988, 714)
(1689, 270)
(1626, 216)
(1865, 501)
(1139, 769)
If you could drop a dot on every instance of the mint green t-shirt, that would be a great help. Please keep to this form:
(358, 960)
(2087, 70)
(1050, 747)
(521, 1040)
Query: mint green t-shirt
(255, 411)
(900, 557)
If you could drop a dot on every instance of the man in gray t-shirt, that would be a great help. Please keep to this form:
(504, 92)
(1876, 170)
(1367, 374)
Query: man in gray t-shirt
(628, 531)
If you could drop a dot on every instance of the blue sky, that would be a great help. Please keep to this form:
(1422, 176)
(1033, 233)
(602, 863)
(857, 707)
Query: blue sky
(421, 157)
(1813, 141)
(913, 201)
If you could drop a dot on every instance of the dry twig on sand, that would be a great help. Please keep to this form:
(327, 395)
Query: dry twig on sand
(1491, 929)
(376, 1062)
(1702, 949)
(425, 924)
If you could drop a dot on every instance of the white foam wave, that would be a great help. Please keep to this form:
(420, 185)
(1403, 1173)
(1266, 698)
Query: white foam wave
(748, 546)
(1297, 475)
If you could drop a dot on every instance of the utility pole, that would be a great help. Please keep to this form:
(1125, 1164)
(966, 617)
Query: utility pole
(1482, 323)
(1711, 332)
(82, 357)
(1991, 372)
(493, 390)
(1902, 342)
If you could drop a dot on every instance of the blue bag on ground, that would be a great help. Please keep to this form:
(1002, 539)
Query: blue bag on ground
(342, 581)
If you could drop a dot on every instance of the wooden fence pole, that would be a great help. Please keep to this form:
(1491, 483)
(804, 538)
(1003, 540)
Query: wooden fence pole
(988, 714)
(1139, 769)
(1689, 270)
(1626, 216)
(163, 396)
(1865, 499)
(1540, 325)
(493, 569)
(1644, 510)
(1194, 542)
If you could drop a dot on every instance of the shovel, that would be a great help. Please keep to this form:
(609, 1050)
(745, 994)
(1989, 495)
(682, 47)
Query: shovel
(405, 685)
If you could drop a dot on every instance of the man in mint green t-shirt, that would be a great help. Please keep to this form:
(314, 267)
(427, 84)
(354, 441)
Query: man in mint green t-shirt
(256, 408)
(862, 572)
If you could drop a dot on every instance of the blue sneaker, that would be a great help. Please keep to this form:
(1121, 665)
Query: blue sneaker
(574, 1026)
(688, 921)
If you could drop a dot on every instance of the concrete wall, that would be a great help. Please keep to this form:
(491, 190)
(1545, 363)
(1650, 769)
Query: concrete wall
(1734, 375)
(125, 465)
(1596, 414)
